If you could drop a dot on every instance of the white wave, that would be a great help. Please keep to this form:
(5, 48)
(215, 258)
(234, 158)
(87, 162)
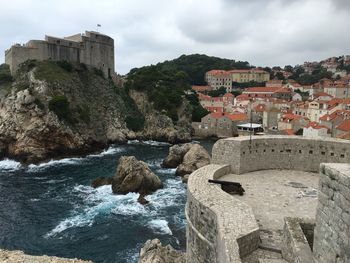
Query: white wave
(169, 195)
(65, 161)
(155, 163)
(9, 165)
(149, 142)
(96, 202)
(166, 170)
(160, 226)
(109, 151)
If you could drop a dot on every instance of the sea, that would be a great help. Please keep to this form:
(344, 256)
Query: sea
(51, 209)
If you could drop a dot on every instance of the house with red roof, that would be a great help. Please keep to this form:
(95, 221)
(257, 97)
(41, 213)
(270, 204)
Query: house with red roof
(342, 128)
(219, 78)
(219, 124)
(268, 92)
(314, 130)
(201, 88)
(292, 121)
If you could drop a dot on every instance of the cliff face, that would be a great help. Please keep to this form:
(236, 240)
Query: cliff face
(160, 127)
(54, 110)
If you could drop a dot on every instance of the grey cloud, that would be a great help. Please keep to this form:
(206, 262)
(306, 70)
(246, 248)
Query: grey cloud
(264, 32)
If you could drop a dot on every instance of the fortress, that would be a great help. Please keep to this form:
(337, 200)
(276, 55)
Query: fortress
(92, 48)
(282, 217)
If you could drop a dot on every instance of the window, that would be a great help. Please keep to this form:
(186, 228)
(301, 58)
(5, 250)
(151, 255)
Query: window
(310, 152)
(332, 154)
(342, 156)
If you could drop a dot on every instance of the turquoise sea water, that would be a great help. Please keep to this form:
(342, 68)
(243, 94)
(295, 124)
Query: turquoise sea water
(51, 209)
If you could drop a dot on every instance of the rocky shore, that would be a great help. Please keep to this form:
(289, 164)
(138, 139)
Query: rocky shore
(17, 256)
(50, 112)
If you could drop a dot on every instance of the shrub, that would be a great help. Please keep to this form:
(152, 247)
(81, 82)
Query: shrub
(84, 113)
(5, 74)
(60, 106)
(99, 72)
(67, 66)
(39, 104)
(135, 123)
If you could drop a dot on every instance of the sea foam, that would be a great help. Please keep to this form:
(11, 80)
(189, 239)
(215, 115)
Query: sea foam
(9, 165)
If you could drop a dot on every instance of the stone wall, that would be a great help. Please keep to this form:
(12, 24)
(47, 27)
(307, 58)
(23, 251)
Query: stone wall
(279, 152)
(295, 247)
(332, 232)
(220, 228)
(92, 49)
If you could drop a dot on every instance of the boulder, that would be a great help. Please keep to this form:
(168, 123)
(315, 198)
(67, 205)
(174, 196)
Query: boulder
(142, 200)
(176, 155)
(134, 176)
(100, 181)
(194, 159)
(154, 252)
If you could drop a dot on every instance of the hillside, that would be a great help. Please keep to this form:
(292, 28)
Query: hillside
(51, 109)
(166, 83)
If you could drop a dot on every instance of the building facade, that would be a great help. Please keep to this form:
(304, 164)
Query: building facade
(91, 48)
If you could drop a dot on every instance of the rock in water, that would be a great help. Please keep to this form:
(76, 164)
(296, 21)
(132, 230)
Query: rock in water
(134, 176)
(176, 155)
(100, 181)
(142, 200)
(194, 159)
(154, 252)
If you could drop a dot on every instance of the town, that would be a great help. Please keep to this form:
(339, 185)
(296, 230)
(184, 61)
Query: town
(311, 100)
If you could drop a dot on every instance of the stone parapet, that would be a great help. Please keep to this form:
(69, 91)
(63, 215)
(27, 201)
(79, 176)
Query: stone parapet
(332, 232)
(279, 152)
(220, 228)
(295, 247)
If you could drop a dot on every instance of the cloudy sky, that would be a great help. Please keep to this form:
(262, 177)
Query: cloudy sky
(263, 32)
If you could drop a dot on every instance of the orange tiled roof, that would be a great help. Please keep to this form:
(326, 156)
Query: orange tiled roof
(201, 88)
(344, 126)
(231, 116)
(315, 125)
(289, 131)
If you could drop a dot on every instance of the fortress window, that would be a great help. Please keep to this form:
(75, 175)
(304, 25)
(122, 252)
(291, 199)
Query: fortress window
(332, 154)
(299, 151)
(310, 152)
(243, 152)
(281, 151)
(342, 156)
(264, 150)
(323, 153)
(273, 150)
(288, 150)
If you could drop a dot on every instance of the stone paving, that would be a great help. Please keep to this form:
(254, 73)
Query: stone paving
(273, 195)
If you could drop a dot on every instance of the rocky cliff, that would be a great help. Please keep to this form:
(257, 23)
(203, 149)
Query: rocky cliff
(55, 108)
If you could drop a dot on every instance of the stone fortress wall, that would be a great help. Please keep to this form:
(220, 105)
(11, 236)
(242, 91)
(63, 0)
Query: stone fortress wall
(332, 231)
(279, 152)
(92, 48)
(220, 228)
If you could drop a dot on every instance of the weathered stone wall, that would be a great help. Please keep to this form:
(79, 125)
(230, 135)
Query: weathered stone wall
(295, 247)
(92, 49)
(279, 152)
(332, 232)
(220, 228)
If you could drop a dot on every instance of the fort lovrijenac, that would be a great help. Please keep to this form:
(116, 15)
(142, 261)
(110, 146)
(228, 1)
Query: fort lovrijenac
(92, 48)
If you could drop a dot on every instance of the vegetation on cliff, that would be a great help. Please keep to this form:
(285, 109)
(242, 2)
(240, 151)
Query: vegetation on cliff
(166, 83)
(56, 108)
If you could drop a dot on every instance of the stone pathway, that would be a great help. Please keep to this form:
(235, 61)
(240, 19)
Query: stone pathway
(273, 195)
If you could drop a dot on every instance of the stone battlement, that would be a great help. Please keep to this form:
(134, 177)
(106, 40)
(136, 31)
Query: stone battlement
(92, 48)
(222, 228)
(279, 152)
